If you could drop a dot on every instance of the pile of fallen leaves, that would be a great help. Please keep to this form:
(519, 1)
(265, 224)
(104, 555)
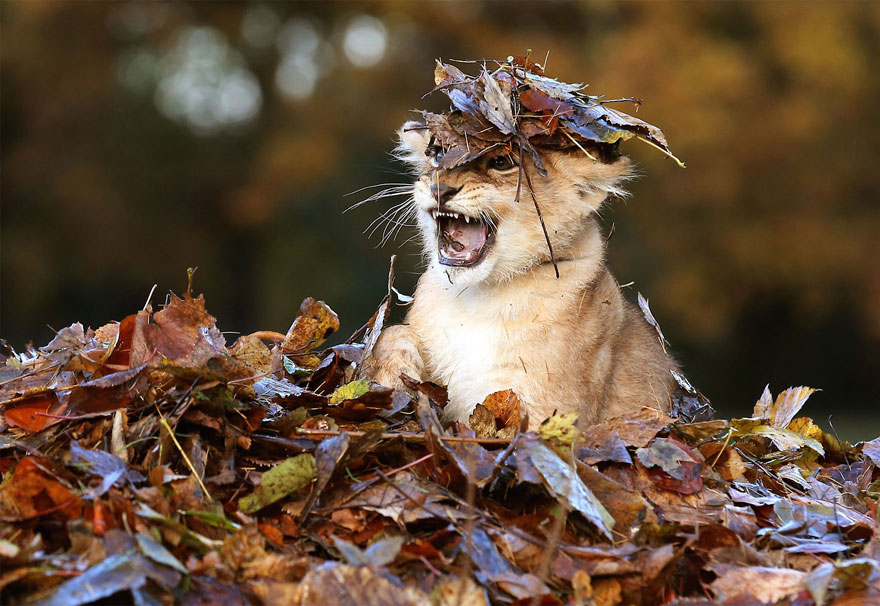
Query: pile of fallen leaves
(517, 108)
(149, 462)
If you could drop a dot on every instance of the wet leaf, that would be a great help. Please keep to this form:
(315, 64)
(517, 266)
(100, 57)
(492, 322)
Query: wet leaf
(612, 450)
(472, 460)
(688, 404)
(628, 507)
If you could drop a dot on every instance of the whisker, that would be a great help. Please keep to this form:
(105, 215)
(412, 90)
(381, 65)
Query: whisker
(397, 223)
(385, 217)
(375, 186)
(390, 192)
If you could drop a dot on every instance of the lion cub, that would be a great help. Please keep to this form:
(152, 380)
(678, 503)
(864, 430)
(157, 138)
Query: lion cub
(489, 313)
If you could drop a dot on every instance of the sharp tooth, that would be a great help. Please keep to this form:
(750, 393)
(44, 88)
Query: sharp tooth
(455, 215)
(434, 214)
(467, 219)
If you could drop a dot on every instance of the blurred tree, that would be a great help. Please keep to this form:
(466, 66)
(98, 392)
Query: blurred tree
(140, 138)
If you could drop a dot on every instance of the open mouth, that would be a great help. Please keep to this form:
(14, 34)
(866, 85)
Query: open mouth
(462, 241)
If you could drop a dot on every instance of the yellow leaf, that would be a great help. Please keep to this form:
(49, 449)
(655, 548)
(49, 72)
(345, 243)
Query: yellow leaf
(350, 391)
(560, 427)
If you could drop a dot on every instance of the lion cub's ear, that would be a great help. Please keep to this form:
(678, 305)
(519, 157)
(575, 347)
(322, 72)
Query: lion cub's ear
(412, 142)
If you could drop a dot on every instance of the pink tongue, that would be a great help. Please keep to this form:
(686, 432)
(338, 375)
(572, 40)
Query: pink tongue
(460, 240)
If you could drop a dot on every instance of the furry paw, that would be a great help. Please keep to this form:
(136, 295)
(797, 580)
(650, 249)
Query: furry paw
(395, 353)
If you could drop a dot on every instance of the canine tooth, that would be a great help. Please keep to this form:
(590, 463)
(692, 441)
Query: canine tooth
(467, 219)
(434, 213)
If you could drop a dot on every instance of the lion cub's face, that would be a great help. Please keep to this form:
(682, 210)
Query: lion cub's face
(472, 228)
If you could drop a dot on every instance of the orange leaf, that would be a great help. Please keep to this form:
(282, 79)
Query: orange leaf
(31, 415)
(31, 492)
(505, 406)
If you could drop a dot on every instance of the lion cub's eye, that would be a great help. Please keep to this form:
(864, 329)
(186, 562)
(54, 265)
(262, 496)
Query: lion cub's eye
(501, 163)
(435, 152)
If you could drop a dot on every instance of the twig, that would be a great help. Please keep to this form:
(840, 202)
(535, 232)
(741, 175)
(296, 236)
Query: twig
(366, 483)
(149, 296)
(839, 441)
(269, 335)
(164, 423)
(540, 217)
(573, 140)
(406, 435)
(723, 446)
(655, 146)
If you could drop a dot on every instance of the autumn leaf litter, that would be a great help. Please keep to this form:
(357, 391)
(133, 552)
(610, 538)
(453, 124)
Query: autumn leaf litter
(150, 461)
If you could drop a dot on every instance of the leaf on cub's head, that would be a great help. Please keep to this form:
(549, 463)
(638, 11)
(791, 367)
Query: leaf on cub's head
(516, 105)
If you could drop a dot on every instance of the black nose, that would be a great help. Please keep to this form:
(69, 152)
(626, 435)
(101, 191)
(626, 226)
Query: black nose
(443, 193)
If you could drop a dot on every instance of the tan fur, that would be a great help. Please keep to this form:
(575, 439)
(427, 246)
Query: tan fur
(567, 344)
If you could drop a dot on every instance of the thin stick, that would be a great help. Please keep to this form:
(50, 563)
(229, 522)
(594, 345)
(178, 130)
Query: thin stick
(189, 464)
(573, 140)
(519, 174)
(655, 146)
(390, 435)
(723, 446)
(268, 335)
(150, 296)
(541, 218)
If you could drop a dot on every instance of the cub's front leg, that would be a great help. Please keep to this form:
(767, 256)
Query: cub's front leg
(396, 352)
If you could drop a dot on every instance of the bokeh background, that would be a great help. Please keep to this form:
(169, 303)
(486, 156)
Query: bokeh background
(140, 138)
